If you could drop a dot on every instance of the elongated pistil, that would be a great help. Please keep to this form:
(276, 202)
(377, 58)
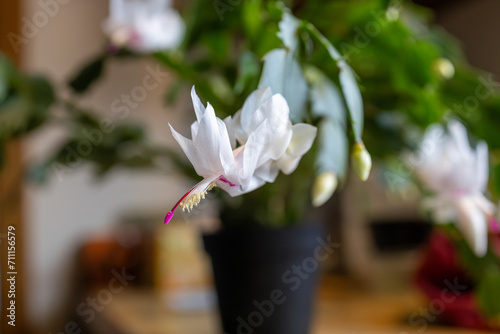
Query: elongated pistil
(193, 196)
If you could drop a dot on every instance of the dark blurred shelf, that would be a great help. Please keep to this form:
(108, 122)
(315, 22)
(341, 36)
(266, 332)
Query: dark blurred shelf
(341, 307)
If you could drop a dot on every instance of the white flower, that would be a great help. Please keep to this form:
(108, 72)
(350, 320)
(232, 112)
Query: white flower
(268, 143)
(144, 25)
(300, 137)
(457, 176)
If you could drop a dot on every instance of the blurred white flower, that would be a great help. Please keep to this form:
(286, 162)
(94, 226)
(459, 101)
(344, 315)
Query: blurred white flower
(144, 25)
(457, 176)
(268, 143)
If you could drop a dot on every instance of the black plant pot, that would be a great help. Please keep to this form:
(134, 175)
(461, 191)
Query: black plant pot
(266, 279)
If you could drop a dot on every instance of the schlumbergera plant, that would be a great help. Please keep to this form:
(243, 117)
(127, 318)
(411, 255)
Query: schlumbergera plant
(411, 75)
(243, 152)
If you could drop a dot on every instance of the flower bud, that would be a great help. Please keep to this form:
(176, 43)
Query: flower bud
(323, 188)
(444, 68)
(361, 161)
(392, 14)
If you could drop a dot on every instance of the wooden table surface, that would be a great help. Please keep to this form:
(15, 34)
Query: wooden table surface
(341, 307)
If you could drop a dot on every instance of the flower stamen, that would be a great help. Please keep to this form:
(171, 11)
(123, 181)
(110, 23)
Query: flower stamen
(194, 196)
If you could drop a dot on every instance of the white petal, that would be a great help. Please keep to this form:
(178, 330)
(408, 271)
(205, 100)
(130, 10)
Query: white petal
(239, 132)
(231, 131)
(208, 140)
(192, 152)
(302, 139)
(252, 153)
(232, 191)
(460, 138)
(254, 183)
(199, 108)
(276, 110)
(267, 172)
(257, 151)
(275, 141)
(251, 185)
(194, 129)
(487, 207)
(287, 164)
(278, 129)
(482, 167)
(473, 225)
(225, 149)
(249, 119)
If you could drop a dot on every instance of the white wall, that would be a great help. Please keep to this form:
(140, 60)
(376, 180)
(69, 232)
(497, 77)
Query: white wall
(60, 215)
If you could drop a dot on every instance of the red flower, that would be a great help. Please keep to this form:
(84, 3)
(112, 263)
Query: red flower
(442, 278)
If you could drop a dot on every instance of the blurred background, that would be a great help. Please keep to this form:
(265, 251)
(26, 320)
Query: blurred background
(78, 231)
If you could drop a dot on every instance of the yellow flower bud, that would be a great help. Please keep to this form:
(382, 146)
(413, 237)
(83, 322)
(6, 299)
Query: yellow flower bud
(444, 68)
(361, 161)
(323, 188)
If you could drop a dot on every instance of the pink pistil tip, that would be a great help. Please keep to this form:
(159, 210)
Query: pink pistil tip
(168, 217)
(223, 179)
